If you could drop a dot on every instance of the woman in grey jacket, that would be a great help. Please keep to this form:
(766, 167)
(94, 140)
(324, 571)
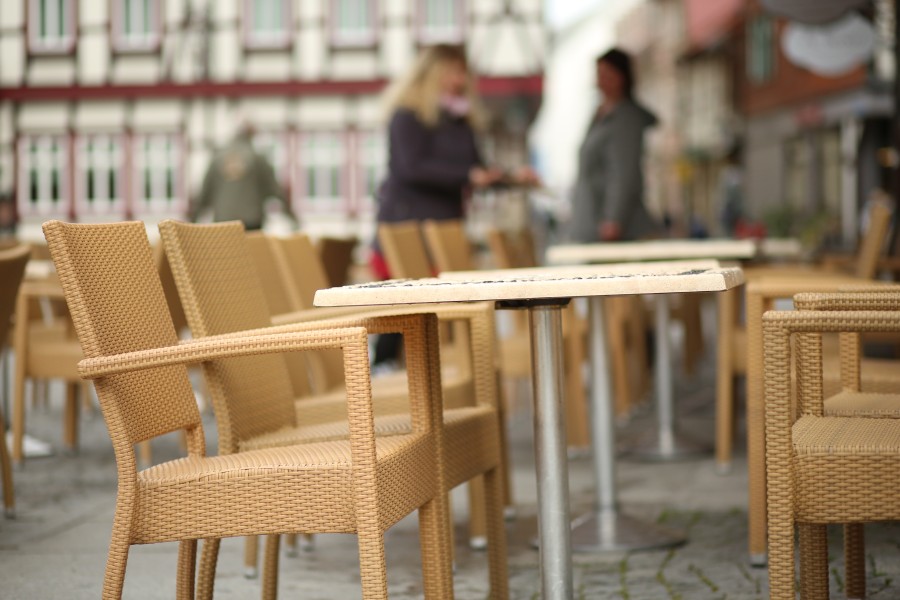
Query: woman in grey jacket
(608, 201)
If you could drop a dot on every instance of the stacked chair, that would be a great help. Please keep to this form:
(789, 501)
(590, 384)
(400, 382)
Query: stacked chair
(221, 294)
(358, 482)
(12, 270)
(828, 460)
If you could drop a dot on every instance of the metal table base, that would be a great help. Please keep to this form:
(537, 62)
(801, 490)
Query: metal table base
(669, 444)
(606, 529)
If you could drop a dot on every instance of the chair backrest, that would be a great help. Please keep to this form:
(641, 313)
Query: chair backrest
(336, 255)
(302, 270)
(279, 298)
(511, 250)
(117, 305)
(221, 293)
(12, 270)
(448, 245)
(301, 263)
(169, 289)
(404, 251)
(873, 241)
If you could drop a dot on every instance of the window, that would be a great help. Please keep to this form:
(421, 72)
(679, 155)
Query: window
(371, 166)
(157, 179)
(353, 23)
(136, 24)
(51, 25)
(760, 61)
(441, 21)
(99, 176)
(43, 181)
(321, 158)
(267, 23)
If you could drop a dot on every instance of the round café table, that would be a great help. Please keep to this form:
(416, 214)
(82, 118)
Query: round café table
(543, 292)
(668, 445)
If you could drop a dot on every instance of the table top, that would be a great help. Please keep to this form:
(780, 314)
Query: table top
(650, 250)
(539, 283)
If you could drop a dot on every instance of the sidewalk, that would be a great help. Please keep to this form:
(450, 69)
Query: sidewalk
(56, 548)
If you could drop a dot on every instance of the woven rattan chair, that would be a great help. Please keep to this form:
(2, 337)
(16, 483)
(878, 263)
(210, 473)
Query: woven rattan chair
(216, 281)
(45, 349)
(362, 485)
(823, 467)
(12, 269)
(733, 339)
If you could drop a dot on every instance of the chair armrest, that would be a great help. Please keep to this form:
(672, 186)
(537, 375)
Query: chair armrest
(871, 297)
(41, 289)
(218, 347)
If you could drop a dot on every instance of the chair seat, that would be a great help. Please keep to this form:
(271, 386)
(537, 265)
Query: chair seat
(863, 404)
(817, 436)
(203, 497)
(843, 463)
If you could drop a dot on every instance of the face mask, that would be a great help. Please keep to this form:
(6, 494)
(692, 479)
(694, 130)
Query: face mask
(458, 106)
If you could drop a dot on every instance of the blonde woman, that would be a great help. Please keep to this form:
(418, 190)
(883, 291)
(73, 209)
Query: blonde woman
(433, 159)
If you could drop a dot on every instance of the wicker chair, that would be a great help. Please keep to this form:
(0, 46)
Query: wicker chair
(336, 255)
(12, 269)
(362, 485)
(215, 279)
(824, 468)
(733, 338)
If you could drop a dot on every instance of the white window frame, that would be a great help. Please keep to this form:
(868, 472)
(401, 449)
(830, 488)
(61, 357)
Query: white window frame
(62, 15)
(162, 165)
(326, 197)
(47, 153)
(103, 154)
(124, 41)
(371, 168)
(363, 37)
(255, 39)
(447, 34)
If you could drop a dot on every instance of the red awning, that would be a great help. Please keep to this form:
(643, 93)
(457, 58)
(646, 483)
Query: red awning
(709, 20)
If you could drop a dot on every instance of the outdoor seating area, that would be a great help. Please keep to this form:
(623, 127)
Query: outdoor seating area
(217, 388)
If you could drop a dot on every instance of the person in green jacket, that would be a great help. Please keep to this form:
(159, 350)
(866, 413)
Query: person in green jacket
(238, 182)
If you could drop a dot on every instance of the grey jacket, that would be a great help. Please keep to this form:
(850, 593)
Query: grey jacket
(610, 184)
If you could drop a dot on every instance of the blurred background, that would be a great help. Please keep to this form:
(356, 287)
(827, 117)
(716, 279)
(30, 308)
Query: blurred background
(112, 109)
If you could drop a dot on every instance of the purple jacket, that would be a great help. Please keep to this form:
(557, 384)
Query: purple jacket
(428, 168)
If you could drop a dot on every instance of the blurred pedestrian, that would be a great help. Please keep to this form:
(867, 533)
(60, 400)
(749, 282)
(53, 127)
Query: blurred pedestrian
(238, 182)
(608, 200)
(433, 157)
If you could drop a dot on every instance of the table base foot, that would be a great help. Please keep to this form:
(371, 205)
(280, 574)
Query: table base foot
(671, 447)
(614, 531)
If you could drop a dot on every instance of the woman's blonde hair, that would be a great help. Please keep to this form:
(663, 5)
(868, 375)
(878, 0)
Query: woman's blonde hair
(419, 89)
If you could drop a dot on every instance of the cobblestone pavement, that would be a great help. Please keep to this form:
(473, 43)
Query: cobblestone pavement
(56, 548)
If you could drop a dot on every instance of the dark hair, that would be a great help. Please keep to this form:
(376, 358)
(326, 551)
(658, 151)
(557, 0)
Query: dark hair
(621, 62)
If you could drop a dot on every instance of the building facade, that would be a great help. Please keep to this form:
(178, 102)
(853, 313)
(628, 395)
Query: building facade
(111, 109)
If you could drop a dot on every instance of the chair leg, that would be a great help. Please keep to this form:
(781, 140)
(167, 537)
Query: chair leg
(434, 541)
(270, 568)
(813, 562)
(496, 535)
(477, 514)
(207, 574)
(187, 564)
(251, 550)
(18, 412)
(290, 544)
(693, 331)
(9, 496)
(727, 302)
(508, 501)
(70, 432)
(855, 561)
(615, 315)
(116, 561)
